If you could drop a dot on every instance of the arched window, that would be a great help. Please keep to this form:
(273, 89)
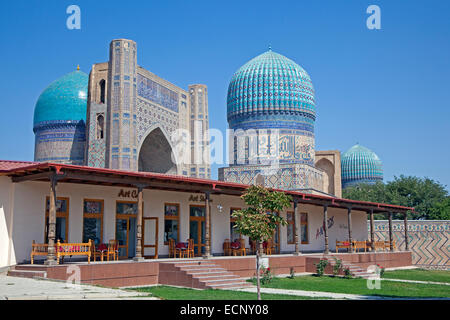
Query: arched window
(100, 126)
(102, 90)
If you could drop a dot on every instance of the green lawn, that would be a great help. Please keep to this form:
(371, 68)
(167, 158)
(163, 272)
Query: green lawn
(419, 274)
(359, 286)
(172, 293)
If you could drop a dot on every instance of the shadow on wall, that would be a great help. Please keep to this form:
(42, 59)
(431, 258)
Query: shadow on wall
(155, 154)
(78, 145)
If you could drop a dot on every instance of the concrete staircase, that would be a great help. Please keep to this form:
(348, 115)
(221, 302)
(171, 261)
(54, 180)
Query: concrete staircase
(200, 274)
(28, 271)
(355, 270)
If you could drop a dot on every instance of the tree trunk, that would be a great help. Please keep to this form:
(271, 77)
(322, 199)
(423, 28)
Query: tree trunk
(258, 284)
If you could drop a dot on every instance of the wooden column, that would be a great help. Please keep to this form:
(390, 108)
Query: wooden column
(391, 246)
(325, 228)
(296, 226)
(51, 259)
(372, 231)
(140, 214)
(349, 222)
(406, 232)
(207, 227)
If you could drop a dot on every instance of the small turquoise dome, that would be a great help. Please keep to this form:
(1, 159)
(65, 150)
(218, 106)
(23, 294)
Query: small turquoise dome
(271, 91)
(360, 165)
(63, 100)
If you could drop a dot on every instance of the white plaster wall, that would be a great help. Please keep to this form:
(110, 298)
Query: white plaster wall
(5, 220)
(29, 217)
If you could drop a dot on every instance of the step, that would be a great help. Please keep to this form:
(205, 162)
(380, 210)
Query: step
(206, 273)
(216, 276)
(30, 267)
(191, 267)
(221, 280)
(227, 285)
(204, 270)
(27, 274)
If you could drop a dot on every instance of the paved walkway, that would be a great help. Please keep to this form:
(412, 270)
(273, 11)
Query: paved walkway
(329, 295)
(15, 288)
(417, 281)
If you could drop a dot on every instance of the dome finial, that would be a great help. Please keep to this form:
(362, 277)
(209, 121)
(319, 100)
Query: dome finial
(78, 67)
(270, 47)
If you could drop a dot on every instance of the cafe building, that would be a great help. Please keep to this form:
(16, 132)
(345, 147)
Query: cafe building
(51, 204)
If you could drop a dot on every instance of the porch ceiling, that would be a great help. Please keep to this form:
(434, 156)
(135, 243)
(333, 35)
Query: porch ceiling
(108, 177)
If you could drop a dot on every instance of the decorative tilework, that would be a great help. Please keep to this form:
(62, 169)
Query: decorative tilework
(360, 165)
(155, 92)
(428, 240)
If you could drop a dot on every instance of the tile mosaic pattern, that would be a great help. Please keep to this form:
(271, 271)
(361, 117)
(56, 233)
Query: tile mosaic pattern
(360, 165)
(155, 92)
(271, 91)
(288, 177)
(63, 99)
(60, 141)
(429, 241)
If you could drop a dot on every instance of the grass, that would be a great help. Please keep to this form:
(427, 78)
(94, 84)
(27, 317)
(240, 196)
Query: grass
(172, 293)
(359, 286)
(419, 275)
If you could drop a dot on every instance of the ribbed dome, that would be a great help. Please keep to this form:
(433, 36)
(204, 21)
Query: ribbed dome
(271, 91)
(360, 165)
(64, 99)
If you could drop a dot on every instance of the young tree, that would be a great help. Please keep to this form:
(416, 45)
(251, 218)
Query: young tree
(260, 219)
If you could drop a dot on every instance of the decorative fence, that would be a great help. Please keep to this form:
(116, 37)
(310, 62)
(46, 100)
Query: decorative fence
(429, 240)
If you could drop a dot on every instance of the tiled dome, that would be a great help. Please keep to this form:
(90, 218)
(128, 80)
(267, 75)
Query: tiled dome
(63, 100)
(360, 165)
(271, 91)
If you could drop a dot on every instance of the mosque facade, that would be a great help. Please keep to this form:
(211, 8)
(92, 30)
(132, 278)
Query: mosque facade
(123, 116)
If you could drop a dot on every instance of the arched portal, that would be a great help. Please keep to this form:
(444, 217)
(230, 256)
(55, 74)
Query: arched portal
(328, 167)
(155, 154)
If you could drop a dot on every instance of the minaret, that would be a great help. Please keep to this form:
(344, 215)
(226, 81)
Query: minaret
(121, 148)
(199, 126)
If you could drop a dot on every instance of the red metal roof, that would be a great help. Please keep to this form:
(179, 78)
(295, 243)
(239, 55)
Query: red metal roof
(7, 165)
(13, 167)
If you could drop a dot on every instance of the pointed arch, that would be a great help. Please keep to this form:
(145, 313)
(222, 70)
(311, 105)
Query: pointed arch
(155, 152)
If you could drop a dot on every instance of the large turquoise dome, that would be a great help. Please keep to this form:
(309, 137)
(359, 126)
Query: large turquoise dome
(360, 165)
(63, 100)
(271, 91)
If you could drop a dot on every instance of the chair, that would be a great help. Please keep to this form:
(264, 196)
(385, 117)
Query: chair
(268, 247)
(226, 247)
(343, 245)
(181, 249)
(112, 250)
(252, 246)
(242, 250)
(190, 248)
(97, 251)
(172, 252)
(359, 245)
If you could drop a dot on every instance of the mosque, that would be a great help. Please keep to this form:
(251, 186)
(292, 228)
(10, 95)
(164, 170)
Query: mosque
(109, 170)
(122, 116)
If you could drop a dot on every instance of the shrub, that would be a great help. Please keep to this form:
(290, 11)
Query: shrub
(266, 275)
(320, 267)
(337, 266)
(347, 273)
(291, 273)
(380, 270)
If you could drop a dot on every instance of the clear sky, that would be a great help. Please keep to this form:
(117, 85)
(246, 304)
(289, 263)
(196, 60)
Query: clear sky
(387, 89)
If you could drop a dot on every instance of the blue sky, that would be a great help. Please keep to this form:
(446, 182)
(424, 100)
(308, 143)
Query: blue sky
(387, 89)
